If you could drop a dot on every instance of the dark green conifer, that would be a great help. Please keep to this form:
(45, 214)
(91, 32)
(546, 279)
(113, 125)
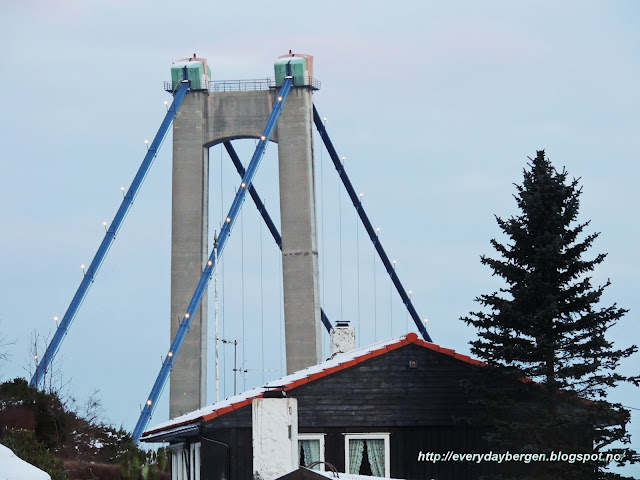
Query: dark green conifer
(546, 325)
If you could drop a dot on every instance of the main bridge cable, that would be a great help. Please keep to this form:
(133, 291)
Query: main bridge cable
(109, 237)
(207, 273)
(357, 203)
(265, 215)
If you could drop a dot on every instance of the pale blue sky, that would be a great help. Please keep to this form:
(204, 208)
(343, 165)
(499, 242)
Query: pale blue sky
(436, 106)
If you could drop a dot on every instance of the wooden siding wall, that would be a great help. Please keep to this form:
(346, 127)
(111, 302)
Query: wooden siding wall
(405, 445)
(382, 391)
(385, 391)
(214, 460)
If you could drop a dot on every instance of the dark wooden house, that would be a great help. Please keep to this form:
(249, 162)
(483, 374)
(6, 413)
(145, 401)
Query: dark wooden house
(380, 410)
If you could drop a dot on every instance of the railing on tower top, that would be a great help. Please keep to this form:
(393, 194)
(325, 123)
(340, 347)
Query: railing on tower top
(254, 84)
(239, 85)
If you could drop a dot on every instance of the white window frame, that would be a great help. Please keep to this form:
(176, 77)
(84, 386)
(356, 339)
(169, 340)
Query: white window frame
(313, 436)
(178, 466)
(369, 436)
(194, 461)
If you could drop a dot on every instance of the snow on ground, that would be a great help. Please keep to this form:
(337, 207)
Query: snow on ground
(14, 468)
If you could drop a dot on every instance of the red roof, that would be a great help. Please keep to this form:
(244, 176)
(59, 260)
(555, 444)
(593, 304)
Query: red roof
(302, 377)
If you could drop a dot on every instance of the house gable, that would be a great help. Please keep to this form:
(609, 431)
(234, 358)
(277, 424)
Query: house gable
(407, 386)
(361, 382)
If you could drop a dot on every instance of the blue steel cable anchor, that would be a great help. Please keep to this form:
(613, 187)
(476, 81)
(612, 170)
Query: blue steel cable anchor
(209, 267)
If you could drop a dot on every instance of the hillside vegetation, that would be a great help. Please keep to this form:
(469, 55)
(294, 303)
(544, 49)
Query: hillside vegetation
(71, 442)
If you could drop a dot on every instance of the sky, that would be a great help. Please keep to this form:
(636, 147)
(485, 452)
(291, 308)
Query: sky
(435, 105)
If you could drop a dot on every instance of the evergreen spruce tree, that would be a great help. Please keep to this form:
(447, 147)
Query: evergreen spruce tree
(547, 331)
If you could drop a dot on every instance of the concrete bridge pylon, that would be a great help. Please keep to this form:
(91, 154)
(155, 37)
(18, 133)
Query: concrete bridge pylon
(205, 119)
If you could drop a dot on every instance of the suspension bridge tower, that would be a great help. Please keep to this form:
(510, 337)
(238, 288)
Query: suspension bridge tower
(207, 117)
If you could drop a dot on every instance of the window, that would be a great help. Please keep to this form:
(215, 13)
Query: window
(367, 454)
(194, 461)
(311, 449)
(178, 462)
(185, 461)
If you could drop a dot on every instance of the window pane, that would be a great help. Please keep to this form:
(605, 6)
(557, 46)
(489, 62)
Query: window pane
(375, 455)
(309, 452)
(356, 451)
(367, 455)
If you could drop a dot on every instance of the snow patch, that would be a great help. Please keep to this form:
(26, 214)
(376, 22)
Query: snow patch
(14, 468)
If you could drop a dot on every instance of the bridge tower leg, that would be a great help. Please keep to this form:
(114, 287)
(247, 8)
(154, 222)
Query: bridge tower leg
(189, 251)
(299, 236)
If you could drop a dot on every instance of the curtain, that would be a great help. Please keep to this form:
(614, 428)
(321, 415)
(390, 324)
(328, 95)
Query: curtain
(311, 449)
(375, 454)
(356, 449)
(175, 465)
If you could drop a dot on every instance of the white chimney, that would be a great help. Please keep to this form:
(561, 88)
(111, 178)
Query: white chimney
(343, 338)
(275, 436)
